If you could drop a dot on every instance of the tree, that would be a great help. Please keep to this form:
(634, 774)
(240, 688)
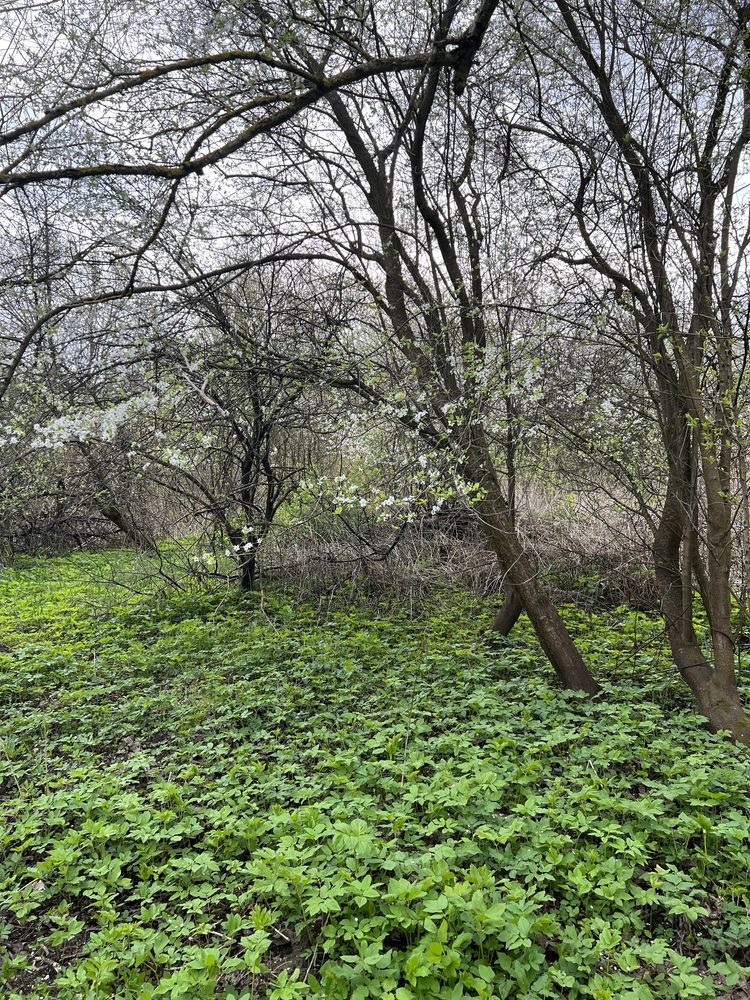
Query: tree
(295, 62)
(648, 114)
(415, 243)
(388, 150)
(243, 417)
(201, 89)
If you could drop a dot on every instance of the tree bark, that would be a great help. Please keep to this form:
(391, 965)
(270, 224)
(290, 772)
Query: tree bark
(509, 612)
(106, 504)
(248, 572)
(129, 528)
(498, 528)
(714, 689)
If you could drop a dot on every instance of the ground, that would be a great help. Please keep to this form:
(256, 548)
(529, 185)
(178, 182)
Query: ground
(205, 795)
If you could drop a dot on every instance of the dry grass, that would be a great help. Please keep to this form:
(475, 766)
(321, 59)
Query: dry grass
(592, 556)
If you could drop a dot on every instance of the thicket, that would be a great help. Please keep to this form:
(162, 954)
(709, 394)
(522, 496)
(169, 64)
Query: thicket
(406, 346)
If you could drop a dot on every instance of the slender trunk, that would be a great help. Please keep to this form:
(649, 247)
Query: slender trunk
(744, 553)
(715, 690)
(511, 609)
(701, 579)
(127, 526)
(744, 532)
(722, 705)
(498, 528)
(248, 572)
(509, 612)
(107, 505)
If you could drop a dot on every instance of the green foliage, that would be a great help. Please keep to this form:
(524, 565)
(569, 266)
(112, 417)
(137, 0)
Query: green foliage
(209, 796)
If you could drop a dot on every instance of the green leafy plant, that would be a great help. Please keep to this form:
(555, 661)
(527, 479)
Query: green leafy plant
(213, 797)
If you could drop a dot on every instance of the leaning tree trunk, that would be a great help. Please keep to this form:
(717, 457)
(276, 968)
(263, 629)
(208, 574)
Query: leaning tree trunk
(107, 505)
(497, 526)
(510, 610)
(125, 524)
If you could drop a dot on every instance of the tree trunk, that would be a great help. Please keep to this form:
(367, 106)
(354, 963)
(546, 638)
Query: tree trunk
(498, 528)
(248, 572)
(509, 612)
(107, 505)
(128, 527)
(714, 689)
(719, 702)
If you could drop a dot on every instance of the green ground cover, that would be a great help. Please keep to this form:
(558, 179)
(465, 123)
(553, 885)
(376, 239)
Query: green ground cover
(206, 796)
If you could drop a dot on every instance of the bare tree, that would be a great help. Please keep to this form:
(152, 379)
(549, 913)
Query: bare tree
(201, 85)
(648, 115)
(401, 206)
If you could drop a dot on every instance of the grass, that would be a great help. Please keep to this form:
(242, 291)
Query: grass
(207, 796)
